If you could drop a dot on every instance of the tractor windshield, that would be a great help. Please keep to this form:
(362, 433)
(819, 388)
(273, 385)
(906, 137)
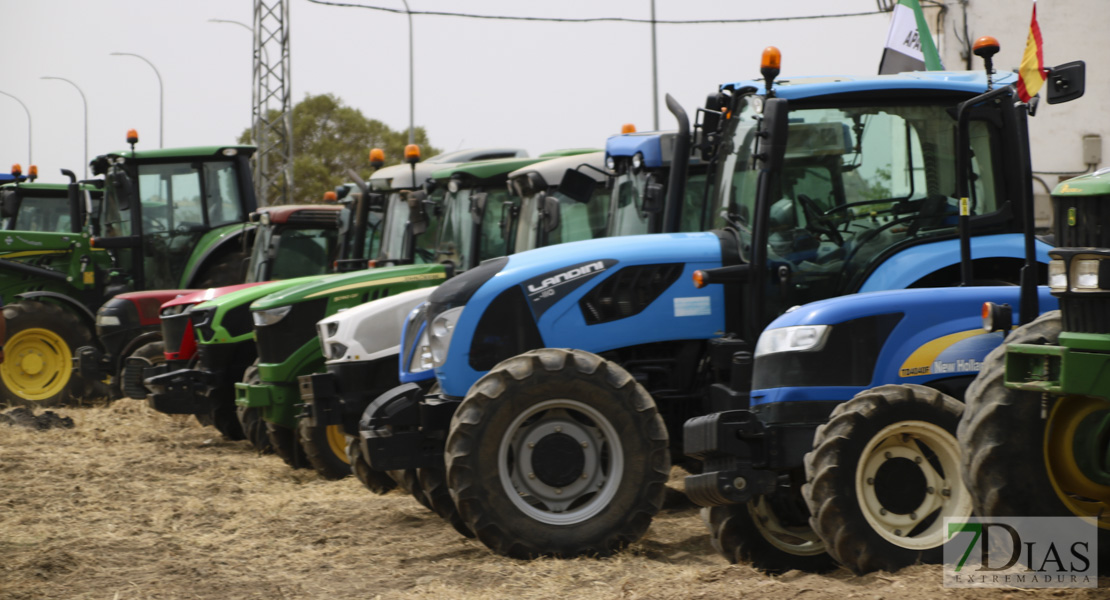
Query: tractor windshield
(288, 252)
(395, 231)
(464, 214)
(856, 181)
(628, 214)
(573, 222)
(39, 213)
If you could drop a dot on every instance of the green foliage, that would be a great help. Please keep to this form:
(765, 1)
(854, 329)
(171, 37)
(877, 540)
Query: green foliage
(329, 138)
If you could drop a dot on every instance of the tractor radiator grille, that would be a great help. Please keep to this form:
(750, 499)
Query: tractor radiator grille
(277, 342)
(1091, 212)
(1086, 314)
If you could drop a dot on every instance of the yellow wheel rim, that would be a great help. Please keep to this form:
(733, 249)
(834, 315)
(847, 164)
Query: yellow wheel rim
(337, 440)
(1082, 496)
(37, 364)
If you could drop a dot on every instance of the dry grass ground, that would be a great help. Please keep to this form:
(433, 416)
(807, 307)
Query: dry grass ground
(134, 505)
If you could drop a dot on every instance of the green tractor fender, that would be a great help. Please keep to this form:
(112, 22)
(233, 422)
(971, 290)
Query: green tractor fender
(219, 242)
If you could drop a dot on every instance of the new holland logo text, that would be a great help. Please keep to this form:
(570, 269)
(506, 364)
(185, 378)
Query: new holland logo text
(565, 276)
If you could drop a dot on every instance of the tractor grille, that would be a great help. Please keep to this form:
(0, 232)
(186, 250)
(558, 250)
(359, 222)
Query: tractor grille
(173, 331)
(1091, 212)
(277, 342)
(1086, 313)
(314, 217)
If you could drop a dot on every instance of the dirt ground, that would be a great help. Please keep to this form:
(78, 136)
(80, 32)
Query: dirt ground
(131, 504)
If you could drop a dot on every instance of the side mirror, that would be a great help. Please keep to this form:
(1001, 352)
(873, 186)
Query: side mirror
(418, 216)
(550, 213)
(9, 203)
(577, 186)
(509, 211)
(654, 195)
(772, 134)
(478, 206)
(121, 186)
(1066, 82)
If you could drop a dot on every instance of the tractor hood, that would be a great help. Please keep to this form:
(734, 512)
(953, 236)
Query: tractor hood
(337, 288)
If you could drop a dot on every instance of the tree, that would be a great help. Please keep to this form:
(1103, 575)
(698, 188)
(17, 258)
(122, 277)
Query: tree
(329, 138)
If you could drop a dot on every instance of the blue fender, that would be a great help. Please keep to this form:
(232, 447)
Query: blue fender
(910, 265)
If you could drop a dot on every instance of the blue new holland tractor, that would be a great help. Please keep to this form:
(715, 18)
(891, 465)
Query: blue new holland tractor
(566, 374)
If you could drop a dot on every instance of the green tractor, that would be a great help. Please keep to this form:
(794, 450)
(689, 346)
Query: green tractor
(225, 349)
(169, 218)
(472, 227)
(1035, 435)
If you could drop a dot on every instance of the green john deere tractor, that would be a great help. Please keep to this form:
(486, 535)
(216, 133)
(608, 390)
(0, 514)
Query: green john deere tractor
(167, 218)
(1035, 436)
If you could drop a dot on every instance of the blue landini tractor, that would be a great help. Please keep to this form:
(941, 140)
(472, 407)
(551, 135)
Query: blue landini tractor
(845, 448)
(565, 374)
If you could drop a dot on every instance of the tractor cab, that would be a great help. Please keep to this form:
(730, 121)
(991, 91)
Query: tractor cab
(294, 240)
(407, 203)
(559, 200)
(167, 212)
(641, 164)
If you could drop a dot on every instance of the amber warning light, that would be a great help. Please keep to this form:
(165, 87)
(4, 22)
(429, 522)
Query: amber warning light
(628, 128)
(377, 157)
(330, 196)
(412, 154)
(17, 170)
(132, 136)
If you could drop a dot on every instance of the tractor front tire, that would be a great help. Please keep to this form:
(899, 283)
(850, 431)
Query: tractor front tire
(1018, 463)
(883, 474)
(560, 453)
(250, 419)
(768, 534)
(433, 482)
(37, 369)
(325, 447)
(378, 482)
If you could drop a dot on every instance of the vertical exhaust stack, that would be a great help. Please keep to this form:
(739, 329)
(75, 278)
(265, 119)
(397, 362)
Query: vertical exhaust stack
(676, 185)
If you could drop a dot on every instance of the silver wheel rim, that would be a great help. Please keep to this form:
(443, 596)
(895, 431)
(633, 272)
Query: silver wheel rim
(796, 540)
(602, 471)
(944, 493)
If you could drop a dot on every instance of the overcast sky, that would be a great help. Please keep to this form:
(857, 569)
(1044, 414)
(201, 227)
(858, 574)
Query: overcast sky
(539, 86)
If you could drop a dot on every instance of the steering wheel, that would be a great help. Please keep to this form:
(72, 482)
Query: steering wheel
(817, 221)
(156, 225)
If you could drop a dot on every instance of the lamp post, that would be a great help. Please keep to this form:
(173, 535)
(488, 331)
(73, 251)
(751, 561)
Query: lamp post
(412, 131)
(85, 103)
(161, 92)
(30, 161)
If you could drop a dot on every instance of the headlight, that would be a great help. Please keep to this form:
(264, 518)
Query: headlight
(333, 328)
(610, 163)
(336, 350)
(422, 358)
(262, 318)
(637, 160)
(177, 309)
(1085, 274)
(439, 334)
(1057, 276)
(107, 320)
(799, 338)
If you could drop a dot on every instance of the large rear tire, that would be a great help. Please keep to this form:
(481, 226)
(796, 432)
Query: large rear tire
(557, 452)
(1018, 463)
(883, 475)
(224, 270)
(433, 483)
(325, 448)
(37, 369)
(378, 482)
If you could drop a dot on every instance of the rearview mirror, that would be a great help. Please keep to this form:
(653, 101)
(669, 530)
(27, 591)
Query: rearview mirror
(550, 213)
(9, 203)
(478, 206)
(120, 185)
(1066, 82)
(418, 216)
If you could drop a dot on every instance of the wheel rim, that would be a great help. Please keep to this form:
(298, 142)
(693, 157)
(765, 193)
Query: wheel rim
(1079, 494)
(908, 481)
(337, 441)
(560, 462)
(37, 364)
(798, 540)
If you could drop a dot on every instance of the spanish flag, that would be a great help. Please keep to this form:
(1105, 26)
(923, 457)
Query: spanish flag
(1031, 73)
(909, 46)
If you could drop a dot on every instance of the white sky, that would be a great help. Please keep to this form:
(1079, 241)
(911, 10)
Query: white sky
(539, 86)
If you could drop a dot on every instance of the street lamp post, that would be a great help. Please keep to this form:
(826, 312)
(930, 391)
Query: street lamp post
(30, 161)
(412, 130)
(161, 92)
(85, 103)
